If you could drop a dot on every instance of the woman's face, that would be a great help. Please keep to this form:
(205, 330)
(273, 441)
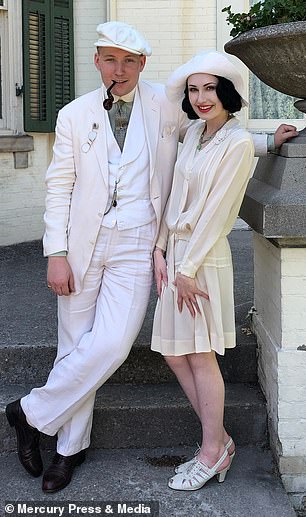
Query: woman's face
(203, 97)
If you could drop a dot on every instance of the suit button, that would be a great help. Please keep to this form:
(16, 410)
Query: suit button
(100, 214)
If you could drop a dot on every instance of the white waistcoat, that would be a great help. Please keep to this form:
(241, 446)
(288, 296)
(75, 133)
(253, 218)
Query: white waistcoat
(131, 169)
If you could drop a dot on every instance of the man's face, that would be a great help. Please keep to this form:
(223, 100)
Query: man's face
(121, 66)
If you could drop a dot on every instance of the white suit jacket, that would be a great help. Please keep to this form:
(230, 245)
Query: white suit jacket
(77, 182)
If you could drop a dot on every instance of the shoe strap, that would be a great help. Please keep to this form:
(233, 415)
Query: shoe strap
(229, 443)
(220, 461)
(205, 468)
(196, 452)
(214, 468)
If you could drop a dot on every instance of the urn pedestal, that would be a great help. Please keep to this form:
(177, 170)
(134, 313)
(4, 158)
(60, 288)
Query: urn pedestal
(275, 207)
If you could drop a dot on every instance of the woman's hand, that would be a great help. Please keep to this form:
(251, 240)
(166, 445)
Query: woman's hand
(186, 291)
(160, 270)
(283, 133)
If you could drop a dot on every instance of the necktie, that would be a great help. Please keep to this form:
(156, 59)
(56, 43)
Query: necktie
(122, 115)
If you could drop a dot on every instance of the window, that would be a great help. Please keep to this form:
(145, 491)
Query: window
(47, 61)
(267, 103)
(3, 4)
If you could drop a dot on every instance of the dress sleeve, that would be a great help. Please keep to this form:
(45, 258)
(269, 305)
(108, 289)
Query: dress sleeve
(224, 200)
(260, 144)
(163, 235)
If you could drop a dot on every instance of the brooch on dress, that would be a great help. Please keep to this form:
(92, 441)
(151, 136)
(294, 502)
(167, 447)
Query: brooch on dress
(221, 135)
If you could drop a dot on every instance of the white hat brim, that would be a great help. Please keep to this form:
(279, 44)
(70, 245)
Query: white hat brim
(104, 44)
(210, 62)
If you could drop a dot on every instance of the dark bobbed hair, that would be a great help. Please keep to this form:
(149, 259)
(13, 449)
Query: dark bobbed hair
(226, 93)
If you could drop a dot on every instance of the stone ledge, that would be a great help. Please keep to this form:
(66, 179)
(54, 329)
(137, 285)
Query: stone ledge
(19, 145)
(275, 200)
(16, 143)
(294, 242)
(292, 464)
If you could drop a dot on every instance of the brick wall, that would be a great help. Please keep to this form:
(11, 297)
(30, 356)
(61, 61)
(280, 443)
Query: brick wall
(175, 29)
(87, 15)
(23, 194)
(280, 326)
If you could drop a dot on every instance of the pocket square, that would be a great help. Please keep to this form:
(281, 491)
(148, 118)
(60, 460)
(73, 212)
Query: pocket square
(168, 130)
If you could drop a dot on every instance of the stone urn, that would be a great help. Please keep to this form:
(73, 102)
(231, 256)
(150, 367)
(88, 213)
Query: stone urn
(276, 54)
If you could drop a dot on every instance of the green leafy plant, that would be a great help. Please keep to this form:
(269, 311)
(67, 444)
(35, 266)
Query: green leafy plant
(266, 12)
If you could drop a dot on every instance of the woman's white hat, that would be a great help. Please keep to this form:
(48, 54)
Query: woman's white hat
(210, 62)
(123, 36)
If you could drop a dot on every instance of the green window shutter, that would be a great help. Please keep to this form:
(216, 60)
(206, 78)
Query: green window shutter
(63, 55)
(36, 47)
(48, 61)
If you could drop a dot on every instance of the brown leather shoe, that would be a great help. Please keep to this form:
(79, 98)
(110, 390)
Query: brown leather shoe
(59, 474)
(27, 439)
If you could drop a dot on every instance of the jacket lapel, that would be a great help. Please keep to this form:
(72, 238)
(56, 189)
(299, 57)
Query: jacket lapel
(99, 117)
(151, 118)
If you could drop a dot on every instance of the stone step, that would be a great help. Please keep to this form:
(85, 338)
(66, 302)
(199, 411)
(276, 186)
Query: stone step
(159, 415)
(28, 321)
(252, 486)
(32, 363)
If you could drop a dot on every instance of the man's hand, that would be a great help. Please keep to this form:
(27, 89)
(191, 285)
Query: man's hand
(160, 270)
(186, 291)
(60, 277)
(283, 133)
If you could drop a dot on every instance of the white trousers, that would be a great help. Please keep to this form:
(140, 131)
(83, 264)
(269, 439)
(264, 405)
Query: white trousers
(96, 330)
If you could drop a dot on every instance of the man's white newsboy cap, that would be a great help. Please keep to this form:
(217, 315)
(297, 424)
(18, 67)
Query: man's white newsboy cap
(123, 36)
(210, 62)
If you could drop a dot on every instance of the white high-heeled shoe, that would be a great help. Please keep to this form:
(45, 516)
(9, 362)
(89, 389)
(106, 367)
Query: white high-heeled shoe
(197, 475)
(184, 466)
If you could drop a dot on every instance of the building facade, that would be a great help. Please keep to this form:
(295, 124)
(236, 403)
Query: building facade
(46, 59)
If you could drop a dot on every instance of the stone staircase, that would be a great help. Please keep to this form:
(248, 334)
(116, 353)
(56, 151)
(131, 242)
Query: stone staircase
(143, 424)
(142, 404)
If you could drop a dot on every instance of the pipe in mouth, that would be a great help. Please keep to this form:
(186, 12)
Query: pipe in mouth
(108, 103)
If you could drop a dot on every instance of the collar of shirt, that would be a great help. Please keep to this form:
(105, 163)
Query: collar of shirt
(129, 97)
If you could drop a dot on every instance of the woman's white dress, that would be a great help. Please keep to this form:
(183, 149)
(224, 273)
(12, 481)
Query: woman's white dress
(207, 191)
